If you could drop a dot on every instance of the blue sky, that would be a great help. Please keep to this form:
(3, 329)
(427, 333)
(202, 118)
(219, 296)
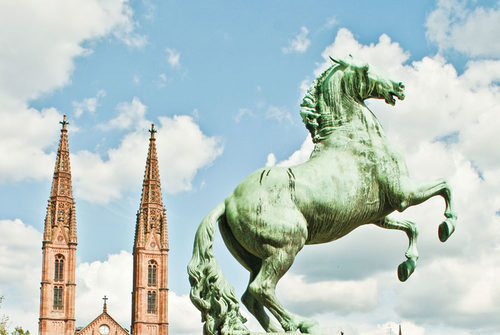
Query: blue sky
(223, 80)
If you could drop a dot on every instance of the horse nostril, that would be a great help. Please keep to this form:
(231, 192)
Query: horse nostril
(401, 85)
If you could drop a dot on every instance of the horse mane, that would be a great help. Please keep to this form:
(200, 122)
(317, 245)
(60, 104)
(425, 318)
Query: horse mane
(316, 112)
(310, 111)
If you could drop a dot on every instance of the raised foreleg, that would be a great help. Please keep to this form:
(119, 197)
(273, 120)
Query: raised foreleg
(406, 268)
(412, 193)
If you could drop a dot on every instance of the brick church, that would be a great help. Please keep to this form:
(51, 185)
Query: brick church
(150, 254)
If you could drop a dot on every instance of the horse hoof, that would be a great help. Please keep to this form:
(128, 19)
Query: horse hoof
(310, 327)
(405, 269)
(445, 230)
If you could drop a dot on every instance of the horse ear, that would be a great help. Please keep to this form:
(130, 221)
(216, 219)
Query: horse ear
(338, 61)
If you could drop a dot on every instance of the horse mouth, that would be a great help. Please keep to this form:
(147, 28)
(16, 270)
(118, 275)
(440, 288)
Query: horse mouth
(390, 97)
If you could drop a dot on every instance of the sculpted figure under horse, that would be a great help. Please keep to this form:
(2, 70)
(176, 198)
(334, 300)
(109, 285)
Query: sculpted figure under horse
(353, 177)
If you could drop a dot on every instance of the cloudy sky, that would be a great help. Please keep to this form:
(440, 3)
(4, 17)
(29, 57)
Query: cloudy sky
(223, 80)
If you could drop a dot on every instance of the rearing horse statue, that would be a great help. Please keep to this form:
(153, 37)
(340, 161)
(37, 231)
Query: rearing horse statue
(353, 177)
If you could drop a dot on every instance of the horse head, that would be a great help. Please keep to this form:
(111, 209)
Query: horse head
(363, 81)
(346, 81)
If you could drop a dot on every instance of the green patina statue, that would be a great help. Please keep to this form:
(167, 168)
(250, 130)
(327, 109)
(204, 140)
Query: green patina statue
(353, 177)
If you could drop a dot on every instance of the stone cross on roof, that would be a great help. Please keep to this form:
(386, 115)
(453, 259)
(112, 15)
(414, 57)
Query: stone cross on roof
(105, 307)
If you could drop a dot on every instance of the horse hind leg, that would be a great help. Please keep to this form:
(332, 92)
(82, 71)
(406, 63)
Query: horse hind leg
(263, 288)
(252, 264)
(414, 194)
(406, 268)
(257, 309)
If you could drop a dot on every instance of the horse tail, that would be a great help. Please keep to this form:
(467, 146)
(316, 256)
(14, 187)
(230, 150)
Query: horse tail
(210, 291)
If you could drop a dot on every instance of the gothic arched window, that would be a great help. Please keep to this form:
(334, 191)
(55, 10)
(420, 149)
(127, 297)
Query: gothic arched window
(60, 216)
(58, 268)
(152, 302)
(58, 297)
(152, 275)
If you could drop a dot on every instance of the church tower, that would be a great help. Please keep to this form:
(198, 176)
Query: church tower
(150, 273)
(57, 291)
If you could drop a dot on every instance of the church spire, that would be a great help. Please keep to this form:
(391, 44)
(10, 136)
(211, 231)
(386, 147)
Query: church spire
(61, 207)
(150, 272)
(151, 210)
(57, 291)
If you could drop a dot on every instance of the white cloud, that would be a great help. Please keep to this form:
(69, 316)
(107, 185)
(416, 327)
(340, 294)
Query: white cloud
(341, 297)
(26, 135)
(88, 104)
(303, 87)
(300, 155)
(376, 54)
(183, 317)
(299, 44)
(173, 57)
(464, 293)
(182, 148)
(43, 40)
(185, 149)
(482, 73)
(20, 266)
(297, 157)
(150, 10)
(271, 160)
(162, 80)
(130, 115)
(335, 325)
(473, 32)
(113, 278)
(330, 23)
(279, 113)
(18, 242)
(242, 112)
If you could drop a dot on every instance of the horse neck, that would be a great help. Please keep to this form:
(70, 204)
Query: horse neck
(343, 115)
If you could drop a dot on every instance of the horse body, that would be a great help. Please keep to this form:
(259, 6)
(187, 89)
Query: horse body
(325, 202)
(353, 177)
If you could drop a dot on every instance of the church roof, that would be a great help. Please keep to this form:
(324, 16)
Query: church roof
(104, 324)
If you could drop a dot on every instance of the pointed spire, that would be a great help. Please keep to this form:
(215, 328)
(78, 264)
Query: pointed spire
(59, 238)
(61, 207)
(47, 234)
(72, 224)
(163, 233)
(150, 243)
(151, 207)
(62, 165)
(139, 230)
(151, 190)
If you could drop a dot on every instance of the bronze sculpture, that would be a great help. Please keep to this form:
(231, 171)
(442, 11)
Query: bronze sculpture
(353, 177)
